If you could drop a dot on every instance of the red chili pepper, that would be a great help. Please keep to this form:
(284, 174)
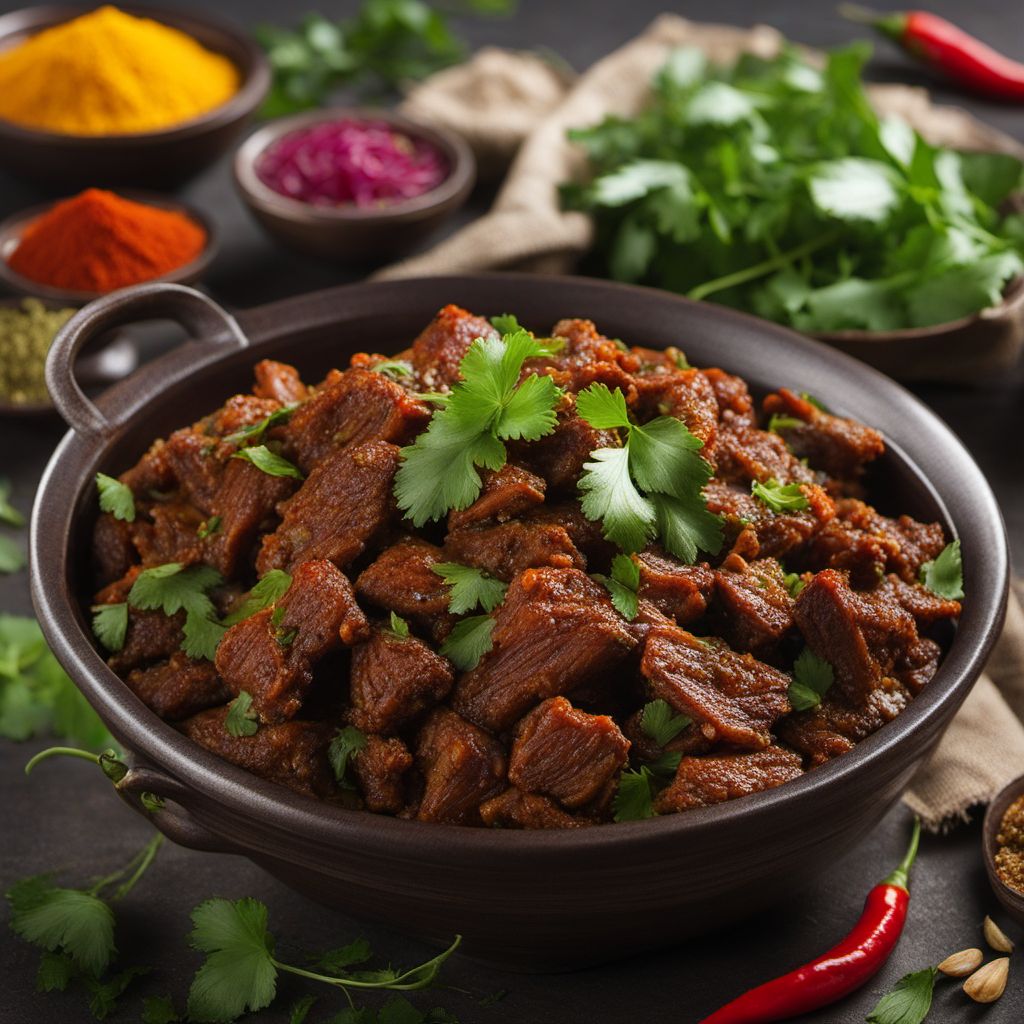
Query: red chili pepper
(948, 49)
(843, 968)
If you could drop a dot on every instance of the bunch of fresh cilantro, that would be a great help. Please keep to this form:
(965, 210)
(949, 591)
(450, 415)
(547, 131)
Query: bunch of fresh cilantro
(773, 187)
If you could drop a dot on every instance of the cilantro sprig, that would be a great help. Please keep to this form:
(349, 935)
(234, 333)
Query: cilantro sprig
(347, 742)
(944, 575)
(268, 461)
(116, 498)
(650, 487)
(623, 586)
(469, 640)
(661, 723)
(172, 587)
(470, 587)
(489, 406)
(909, 1002)
(812, 678)
(780, 497)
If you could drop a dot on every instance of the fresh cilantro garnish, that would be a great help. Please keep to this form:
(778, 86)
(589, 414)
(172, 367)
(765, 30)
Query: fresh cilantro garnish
(255, 432)
(659, 720)
(664, 767)
(486, 408)
(284, 637)
(12, 558)
(393, 368)
(634, 799)
(300, 1010)
(778, 423)
(812, 677)
(397, 626)
(506, 323)
(8, 513)
(470, 587)
(469, 641)
(240, 971)
(347, 742)
(334, 961)
(780, 497)
(208, 527)
(623, 585)
(909, 1002)
(794, 583)
(652, 486)
(944, 575)
(116, 498)
(268, 462)
(816, 402)
(269, 589)
(241, 719)
(110, 624)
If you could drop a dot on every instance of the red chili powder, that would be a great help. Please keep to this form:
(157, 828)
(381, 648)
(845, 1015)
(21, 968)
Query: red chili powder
(97, 242)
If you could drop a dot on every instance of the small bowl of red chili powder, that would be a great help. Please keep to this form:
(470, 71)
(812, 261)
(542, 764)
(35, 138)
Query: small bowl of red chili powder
(96, 242)
(353, 185)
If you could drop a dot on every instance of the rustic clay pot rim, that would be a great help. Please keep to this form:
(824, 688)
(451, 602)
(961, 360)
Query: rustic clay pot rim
(290, 821)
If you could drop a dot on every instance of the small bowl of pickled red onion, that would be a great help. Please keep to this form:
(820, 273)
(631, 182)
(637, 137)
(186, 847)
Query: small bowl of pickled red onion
(353, 185)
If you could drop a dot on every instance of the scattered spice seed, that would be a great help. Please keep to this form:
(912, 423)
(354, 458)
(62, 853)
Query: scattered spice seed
(988, 983)
(26, 333)
(962, 964)
(996, 937)
(1009, 857)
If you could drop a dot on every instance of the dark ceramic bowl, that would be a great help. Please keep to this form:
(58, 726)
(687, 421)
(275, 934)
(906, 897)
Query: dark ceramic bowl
(530, 900)
(352, 234)
(1012, 901)
(157, 158)
(14, 227)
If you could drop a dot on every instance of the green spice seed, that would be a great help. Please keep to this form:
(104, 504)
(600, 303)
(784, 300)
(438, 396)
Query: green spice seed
(26, 333)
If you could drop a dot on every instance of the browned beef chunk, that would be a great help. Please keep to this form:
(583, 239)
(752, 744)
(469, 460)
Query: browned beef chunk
(555, 631)
(344, 503)
(437, 352)
(506, 549)
(831, 444)
(178, 688)
(732, 396)
(685, 394)
(703, 781)
(777, 533)
(679, 591)
(516, 809)
(403, 580)
(743, 453)
(394, 680)
(151, 637)
(560, 456)
(237, 412)
(292, 754)
(867, 544)
(866, 636)
(196, 465)
(926, 607)
(380, 768)
(244, 501)
(585, 343)
(508, 492)
(565, 753)
(113, 552)
(153, 473)
(754, 608)
(462, 766)
(168, 532)
(271, 654)
(278, 381)
(352, 408)
(733, 697)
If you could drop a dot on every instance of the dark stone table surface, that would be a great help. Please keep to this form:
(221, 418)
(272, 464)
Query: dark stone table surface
(66, 818)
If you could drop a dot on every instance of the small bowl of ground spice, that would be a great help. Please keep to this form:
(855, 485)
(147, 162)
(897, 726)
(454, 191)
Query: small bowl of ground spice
(77, 249)
(137, 96)
(353, 185)
(1003, 839)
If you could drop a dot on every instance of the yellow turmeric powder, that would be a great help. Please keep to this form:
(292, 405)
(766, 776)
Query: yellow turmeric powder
(110, 73)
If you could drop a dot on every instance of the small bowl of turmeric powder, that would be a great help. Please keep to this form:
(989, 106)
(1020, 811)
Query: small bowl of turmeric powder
(138, 96)
(76, 249)
(1003, 841)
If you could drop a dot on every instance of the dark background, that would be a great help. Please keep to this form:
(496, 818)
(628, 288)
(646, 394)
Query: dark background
(65, 817)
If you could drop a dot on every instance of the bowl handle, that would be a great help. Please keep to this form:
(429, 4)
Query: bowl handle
(197, 313)
(172, 819)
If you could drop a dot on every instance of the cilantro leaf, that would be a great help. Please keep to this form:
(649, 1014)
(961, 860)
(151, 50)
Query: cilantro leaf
(854, 188)
(623, 586)
(659, 720)
(398, 625)
(55, 972)
(170, 588)
(12, 558)
(393, 368)
(601, 408)
(208, 527)
(159, 1010)
(241, 720)
(794, 583)
(909, 1002)
(347, 742)
(609, 495)
(812, 678)
(116, 498)
(239, 972)
(635, 180)
(506, 323)
(469, 641)
(470, 587)
(633, 800)
(8, 513)
(269, 589)
(104, 994)
(685, 526)
(268, 462)
(662, 457)
(255, 431)
(300, 1011)
(780, 497)
(778, 423)
(944, 575)
(110, 624)
(336, 960)
(529, 413)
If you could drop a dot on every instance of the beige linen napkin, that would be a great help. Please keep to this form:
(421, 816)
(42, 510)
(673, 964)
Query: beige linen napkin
(526, 229)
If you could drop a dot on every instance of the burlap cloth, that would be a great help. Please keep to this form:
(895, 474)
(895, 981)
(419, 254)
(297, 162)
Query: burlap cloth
(516, 107)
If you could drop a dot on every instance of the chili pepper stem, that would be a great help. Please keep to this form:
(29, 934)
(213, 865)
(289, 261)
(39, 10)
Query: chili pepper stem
(901, 876)
(892, 24)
